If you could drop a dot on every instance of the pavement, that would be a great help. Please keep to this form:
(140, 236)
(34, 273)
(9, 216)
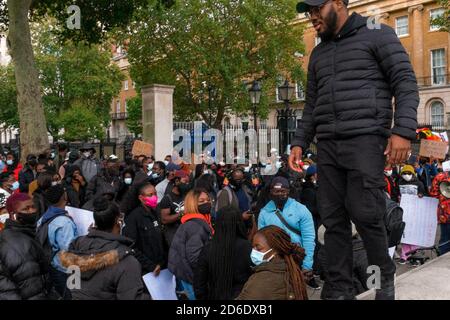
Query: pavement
(424, 282)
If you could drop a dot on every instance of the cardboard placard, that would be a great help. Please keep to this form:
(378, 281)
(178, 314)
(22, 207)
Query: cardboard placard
(435, 149)
(142, 148)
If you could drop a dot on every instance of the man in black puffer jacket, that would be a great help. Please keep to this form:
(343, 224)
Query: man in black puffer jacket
(353, 74)
(23, 267)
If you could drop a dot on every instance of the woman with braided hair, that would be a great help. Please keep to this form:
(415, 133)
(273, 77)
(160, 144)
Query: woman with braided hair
(277, 273)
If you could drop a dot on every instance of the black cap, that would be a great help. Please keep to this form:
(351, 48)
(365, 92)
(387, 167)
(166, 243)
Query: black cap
(303, 6)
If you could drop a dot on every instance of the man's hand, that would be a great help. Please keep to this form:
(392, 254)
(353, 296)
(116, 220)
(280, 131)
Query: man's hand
(157, 270)
(294, 159)
(397, 150)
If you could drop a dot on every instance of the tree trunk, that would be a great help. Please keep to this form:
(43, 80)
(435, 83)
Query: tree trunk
(33, 127)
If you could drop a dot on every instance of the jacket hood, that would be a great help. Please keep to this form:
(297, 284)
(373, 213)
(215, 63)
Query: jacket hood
(96, 251)
(51, 213)
(353, 23)
(16, 226)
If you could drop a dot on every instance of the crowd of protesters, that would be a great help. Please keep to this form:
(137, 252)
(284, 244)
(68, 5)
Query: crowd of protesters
(226, 231)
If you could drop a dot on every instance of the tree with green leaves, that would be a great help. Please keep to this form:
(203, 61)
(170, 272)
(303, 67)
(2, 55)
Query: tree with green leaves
(73, 76)
(212, 50)
(97, 18)
(134, 120)
(443, 21)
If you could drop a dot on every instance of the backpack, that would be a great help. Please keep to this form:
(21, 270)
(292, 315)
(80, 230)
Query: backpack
(394, 222)
(42, 238)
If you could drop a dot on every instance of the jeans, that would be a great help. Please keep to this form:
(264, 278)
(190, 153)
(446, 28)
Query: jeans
(445, 237)
(189, 289)
(59, 280)
(351, 183)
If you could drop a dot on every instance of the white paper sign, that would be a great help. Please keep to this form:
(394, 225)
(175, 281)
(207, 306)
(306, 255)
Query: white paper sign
(392, 252)
(446, 166)
(420, 217)
(83, 219)
(161, 287)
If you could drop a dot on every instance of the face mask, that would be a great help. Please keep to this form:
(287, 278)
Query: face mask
(150, 166)
(55, 183)
(388, 173)
(247, 169)
(205, 172)
(27, 219)
(183, 188)
(305, 167)
(166, 162)
(258, 257)
(9, 162)
(205, 208)
(235, 184)
(407, 177)
(151, 202)
(155, 176)
(128, 180)
(86, 154)
(280, 201)
(52, 155)
(15, 186)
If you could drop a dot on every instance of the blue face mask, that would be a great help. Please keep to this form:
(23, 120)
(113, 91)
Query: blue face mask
(258, 257)
(155, 176)
(9, 162)
(15, 186)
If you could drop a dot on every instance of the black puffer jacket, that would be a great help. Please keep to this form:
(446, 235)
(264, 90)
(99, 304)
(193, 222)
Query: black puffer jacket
(23, 268)
(143, 226)
(185, 249)
(109, 271)
(351, 82)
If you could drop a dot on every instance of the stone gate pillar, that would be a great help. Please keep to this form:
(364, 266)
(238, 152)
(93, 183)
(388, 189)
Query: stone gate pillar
(157, 118)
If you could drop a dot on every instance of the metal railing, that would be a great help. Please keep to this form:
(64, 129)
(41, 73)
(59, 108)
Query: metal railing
(434, 81)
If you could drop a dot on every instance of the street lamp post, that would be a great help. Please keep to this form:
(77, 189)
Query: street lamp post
(210, 90)
(285, 93)
(255, 97)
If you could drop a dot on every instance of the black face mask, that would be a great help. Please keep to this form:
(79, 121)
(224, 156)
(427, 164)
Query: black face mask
(236, 184)
(32, 163)
(280, 201)
(184, 188)
(27, 219)
(205, 208)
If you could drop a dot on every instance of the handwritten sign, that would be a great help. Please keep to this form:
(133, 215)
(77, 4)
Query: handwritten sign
(142, 148)
(420, 217)
(83, 219)
(435, 149)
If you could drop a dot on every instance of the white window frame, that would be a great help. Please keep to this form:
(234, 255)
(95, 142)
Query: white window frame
(397, 26)
(300, 94)
(125, 85)
(125, 105)
(433, 67)
(118, 106)
(433, 115)
(432, 11)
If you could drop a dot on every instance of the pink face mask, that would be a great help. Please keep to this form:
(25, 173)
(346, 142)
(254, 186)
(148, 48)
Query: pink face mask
(151, 202)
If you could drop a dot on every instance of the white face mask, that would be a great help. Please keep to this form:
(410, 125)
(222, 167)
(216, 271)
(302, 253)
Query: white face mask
(305, 167)
(9, 162)
(407, 177)
(55, 183)
(87, 154)
(150, 166)
(128, 180)
(166, 162)
(388, 173)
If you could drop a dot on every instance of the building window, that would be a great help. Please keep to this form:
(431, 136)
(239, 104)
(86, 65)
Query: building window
(299, 91)
(298, 117)
(437, 114)
(436, 13)
(118, 106)
(280, 81)
(401, 26)
(438, 66)
(134, 85)
(317, 41)
(125, 85)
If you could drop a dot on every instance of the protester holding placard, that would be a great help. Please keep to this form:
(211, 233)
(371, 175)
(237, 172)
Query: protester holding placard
(443, 210)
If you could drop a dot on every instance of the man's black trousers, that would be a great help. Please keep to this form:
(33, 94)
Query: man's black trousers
(350, 180)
